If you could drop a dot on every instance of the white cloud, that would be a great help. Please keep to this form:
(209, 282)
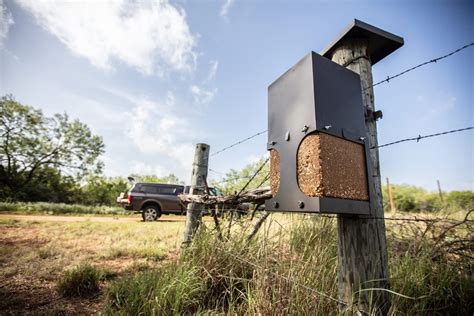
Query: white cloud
(141, 168)
(155, 130)
(151, 36)
(225, 8)
(213, 70)
(6, 20)
(202, 96)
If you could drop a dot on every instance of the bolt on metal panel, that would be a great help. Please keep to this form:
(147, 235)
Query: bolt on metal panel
(315, 97)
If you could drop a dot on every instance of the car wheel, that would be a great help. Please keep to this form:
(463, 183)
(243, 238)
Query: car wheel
(151, 213)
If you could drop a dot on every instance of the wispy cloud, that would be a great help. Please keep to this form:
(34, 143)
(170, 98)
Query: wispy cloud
(6, 20)
(225, 8)
(213, 69)
(151, 36)
(202, 96)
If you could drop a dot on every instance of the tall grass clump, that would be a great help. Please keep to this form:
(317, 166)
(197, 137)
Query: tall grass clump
(290, 267)
(174, 289)
(59, 208)
(81, 281)
(237, 276)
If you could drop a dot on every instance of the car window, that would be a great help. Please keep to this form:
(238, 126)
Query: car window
(165, 190)
(148, 189)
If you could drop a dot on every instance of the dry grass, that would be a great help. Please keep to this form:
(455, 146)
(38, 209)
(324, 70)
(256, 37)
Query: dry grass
(35, 255)
(143, 271)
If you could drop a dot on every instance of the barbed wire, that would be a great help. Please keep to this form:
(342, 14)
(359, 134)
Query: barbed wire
(376, 84)
(400, 219)
(422, 137)
(408, 219)
(387, 80)
(238, 143)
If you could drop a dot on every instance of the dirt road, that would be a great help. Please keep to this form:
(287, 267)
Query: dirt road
(107, 219)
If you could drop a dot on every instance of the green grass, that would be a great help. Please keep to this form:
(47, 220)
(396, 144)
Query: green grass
(60, 208)
(82, 281)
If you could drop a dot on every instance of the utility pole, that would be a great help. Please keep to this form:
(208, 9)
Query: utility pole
(362, 245)
(390, 197)
(440, 191)
(198, 185)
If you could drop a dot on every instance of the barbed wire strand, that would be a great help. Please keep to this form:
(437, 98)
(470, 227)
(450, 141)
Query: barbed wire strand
(238, 143)
(376, 84)
(387, 80)
(422, 137)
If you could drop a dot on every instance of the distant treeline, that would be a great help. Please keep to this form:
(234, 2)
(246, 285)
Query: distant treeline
(409, 198)
(51, 186)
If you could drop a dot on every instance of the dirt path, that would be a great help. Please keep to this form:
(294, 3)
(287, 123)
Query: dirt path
(103, 219)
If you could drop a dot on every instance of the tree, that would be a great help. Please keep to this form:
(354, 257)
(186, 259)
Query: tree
(31, 143)
(99, 190)
(235, 180)
(169, 179)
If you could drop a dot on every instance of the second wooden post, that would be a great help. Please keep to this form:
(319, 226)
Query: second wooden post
(198, 184)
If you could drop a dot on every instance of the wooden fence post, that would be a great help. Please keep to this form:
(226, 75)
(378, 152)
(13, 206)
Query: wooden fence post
(390, 196)
(363, 260)
(440, 191)
(198, 185)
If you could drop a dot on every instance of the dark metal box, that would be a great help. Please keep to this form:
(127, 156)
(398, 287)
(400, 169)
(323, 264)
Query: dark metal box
(315, 95)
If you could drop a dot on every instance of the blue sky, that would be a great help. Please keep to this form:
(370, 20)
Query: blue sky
(154, 78)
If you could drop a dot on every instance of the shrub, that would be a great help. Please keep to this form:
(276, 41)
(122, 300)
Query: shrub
(81, 281)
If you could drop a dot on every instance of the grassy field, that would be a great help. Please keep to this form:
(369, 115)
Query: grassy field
(34, 255)
(134, 267)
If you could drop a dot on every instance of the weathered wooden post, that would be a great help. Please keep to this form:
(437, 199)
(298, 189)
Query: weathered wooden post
(390, 196)
(363, 262)
(198, 185)
(440, 191)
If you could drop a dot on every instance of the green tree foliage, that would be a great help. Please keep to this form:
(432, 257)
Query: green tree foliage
(100, 190)
(408, 198)
(34, 147)
(169, 179)
(461, 199)
(235, 180)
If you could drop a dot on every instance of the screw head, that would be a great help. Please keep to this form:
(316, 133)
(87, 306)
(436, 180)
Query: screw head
(300, 204)
(327, 127)
(276, 205)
